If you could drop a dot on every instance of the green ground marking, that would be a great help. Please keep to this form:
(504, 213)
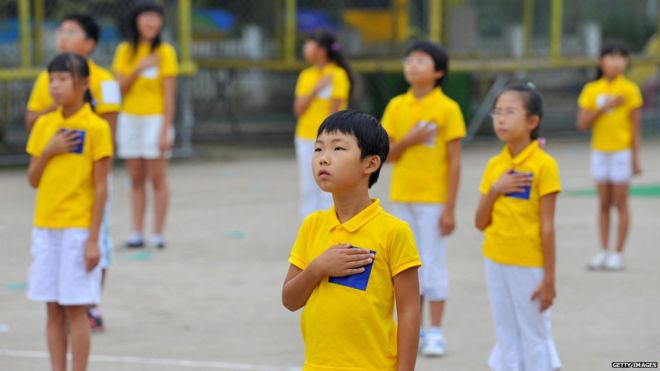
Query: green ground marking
(646, 190)
(15, 286)
(139, 256)
(236, 235)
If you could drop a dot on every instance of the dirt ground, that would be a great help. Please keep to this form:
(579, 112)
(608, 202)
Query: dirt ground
(211, 299)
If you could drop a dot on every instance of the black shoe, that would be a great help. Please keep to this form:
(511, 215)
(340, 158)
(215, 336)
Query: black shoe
(134, 243)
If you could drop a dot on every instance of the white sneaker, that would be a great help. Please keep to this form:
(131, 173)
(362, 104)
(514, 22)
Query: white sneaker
(434, 343)
(598, 261)
(614, 262)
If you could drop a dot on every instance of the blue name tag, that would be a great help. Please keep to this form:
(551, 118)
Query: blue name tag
(357, 281)
(524, 195)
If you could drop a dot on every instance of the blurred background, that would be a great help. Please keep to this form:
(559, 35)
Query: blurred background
(240, 59)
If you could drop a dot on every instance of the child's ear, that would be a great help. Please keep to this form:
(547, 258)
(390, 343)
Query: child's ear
(533, 122)
(372, 164)
(438, 74)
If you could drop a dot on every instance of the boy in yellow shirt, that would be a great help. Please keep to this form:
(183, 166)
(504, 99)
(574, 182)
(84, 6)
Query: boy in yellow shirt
(79, 33)
(611, 107)
(351, 263)
(425, 129)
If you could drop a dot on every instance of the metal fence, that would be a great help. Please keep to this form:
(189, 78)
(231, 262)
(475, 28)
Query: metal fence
(241, 58)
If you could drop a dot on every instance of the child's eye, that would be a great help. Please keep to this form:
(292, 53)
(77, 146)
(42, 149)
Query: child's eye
(317, 149)
(339, 148)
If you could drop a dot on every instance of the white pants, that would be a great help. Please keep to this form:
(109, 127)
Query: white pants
(523, 337)
(138, 136)
(57, 273)
(312, 198)
(611, 167)
(105, 239)
(423, 220)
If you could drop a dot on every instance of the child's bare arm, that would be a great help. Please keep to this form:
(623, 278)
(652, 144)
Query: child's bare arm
(302, 103)
(416, 135)
(546, 291)
(61, 142)
(447, 221)
(339, 260)
(406, 290)
(508, 182)
(586, 118)
(92, 252)
(636, 118)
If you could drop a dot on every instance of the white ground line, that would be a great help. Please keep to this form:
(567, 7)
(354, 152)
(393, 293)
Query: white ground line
(150, 361)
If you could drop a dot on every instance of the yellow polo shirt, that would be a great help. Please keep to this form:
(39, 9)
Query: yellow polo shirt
(613, 130)
(146, 95)
(310, 121)
(106, 95)
(65, 196)
(421, 173)
(514, 234)
(347, 328)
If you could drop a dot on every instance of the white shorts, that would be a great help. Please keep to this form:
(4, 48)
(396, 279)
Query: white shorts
(138, 136)
(57, 273)
(611, 167)
(312, 198)
(523, 338)
(432, 246)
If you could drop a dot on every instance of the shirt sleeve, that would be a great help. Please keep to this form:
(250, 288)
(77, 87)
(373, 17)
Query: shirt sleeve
(40, 98)
(486, 179)
(102, 142)
(586, 100)
(302, 86)
(35, 145)
(635, 99)
(298, 255)
(403, 253)
(169, 66)
(108, 96)
(341, 85)
(120, 62)
(389, 120)
(549, 178)
(455, 123)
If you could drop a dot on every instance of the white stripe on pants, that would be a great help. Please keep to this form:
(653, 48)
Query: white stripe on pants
(423, 220)
(312, 198)
(523, 336)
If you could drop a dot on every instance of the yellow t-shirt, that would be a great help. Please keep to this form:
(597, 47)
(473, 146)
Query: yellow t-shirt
(421, 173)
(347, 328)
(310, 121)
(613, 130)
(65, 196)
(146, 96)
(106, 95)
(514, 234)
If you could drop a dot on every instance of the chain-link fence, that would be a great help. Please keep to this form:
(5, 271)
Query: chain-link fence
(249, 53)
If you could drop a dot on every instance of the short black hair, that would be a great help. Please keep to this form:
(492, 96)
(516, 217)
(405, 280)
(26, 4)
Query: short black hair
(532, 100)
(87, 23)
(436, 52)
(371, 137)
